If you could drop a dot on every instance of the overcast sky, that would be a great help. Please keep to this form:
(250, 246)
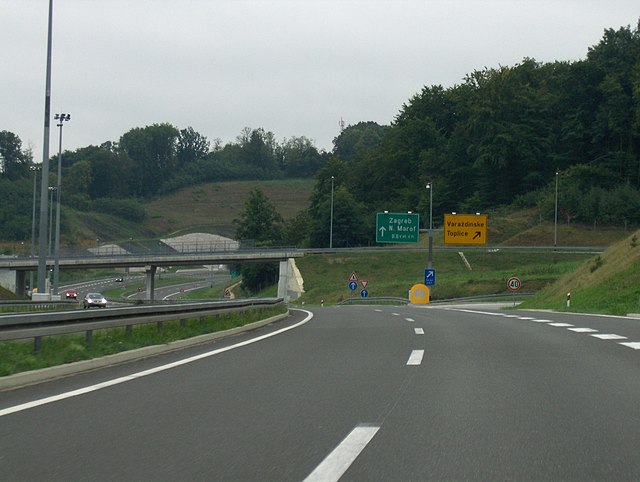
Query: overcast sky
(292, 67)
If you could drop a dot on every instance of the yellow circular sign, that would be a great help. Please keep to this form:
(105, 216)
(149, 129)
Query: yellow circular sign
(419, 294)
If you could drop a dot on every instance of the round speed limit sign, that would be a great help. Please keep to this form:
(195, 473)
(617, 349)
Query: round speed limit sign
(514, 284)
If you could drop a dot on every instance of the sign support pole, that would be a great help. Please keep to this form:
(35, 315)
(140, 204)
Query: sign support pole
(430, 188)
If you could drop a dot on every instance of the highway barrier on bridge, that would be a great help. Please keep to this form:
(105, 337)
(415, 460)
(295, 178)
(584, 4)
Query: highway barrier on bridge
(30, 325)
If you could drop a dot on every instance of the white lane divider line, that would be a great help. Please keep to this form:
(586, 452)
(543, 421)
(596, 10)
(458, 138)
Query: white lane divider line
(410, 319)
(144, 373)
(340, 459)
(632, 344)
(526, 318)
(416, 357)
(395, 314)
(561, 325)
(542, 321)
(583, 330)
(419, 331)
(610, 336)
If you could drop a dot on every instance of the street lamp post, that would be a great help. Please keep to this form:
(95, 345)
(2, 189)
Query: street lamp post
(61, 118)
(42, 254)
(331, 222)
(33, 222)
(52, 189)
(430, 188)
(555, 220)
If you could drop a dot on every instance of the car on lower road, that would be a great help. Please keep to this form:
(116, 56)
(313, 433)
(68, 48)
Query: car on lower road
(94, 299)
(71, 294)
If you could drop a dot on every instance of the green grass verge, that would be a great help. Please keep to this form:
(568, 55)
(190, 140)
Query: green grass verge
(394, 273)
(18, 356)
(608, 283)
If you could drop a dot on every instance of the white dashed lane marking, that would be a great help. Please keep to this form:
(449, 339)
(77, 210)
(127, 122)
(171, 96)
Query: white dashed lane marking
(610, 336)
(583, 330)
(560, 325)
(419, 331)
(410, 319)
(337, 462)
(634, 345)
(416, 357)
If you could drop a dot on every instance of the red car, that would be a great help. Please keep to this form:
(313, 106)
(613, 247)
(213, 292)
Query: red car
(71, 294)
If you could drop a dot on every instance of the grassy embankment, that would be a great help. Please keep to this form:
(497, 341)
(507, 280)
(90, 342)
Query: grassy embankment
(393, 273)
(608, 283)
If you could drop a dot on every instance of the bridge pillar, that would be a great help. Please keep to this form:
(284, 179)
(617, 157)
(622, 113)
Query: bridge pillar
(20, 283)
(13, 281)
(283, 281)
(150, 281)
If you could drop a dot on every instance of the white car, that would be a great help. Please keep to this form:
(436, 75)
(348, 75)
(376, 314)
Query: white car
(94, 299)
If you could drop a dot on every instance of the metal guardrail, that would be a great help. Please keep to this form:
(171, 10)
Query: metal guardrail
(24, 326)
(391, 299)
(375, 300)
(495, 297)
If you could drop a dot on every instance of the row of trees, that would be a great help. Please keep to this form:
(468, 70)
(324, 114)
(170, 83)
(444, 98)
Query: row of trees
(502, 137)
(160, 158)
(503, 133)
(149, 161)
(497, 138)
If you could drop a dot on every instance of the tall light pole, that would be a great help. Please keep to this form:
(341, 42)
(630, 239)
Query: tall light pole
(42, 254)
(33, 222)
(430, 188)
(52, 189)
(331, 222)
(555, 220)
(61, 118)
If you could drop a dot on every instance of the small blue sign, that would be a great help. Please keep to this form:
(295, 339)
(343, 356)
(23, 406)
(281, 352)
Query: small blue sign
(353, 285)
(429, 276)
(364, 293)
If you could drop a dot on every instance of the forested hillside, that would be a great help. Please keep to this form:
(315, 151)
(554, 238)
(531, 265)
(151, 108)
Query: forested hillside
(501, 136)
(505, 136)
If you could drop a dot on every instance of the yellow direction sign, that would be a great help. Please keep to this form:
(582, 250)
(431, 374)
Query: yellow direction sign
(465, 229)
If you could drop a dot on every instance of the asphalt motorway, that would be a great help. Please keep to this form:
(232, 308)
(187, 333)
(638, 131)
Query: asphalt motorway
(350, 393)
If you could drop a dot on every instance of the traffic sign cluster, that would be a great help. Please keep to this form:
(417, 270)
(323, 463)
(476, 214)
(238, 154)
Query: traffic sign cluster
(353, 284)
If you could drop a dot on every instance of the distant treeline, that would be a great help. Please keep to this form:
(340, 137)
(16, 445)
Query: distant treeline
(504, 136)
(150, 161)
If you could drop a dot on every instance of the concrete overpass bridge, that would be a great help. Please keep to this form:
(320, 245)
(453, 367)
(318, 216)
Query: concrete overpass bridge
(16, 268)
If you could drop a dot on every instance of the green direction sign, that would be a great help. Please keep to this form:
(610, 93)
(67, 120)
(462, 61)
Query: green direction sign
(397, 228)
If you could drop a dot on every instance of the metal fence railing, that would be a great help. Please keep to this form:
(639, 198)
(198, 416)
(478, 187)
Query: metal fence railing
(24, 326)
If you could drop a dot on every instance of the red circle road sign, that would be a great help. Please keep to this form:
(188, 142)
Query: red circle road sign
(514, 284)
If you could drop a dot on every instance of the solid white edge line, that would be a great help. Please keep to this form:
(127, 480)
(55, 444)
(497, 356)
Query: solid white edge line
(416, 357)
(117, 381)
(340, 459)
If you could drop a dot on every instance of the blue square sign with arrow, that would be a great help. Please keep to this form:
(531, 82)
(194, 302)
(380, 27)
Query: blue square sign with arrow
(429, 276)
